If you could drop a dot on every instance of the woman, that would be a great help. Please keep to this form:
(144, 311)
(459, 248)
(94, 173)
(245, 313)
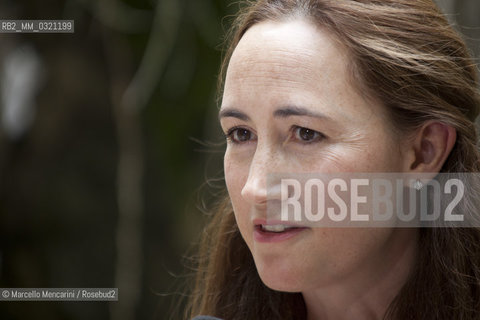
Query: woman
(341, 86)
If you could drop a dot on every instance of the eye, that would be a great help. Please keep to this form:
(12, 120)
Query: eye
(307, 135)
(240, 135)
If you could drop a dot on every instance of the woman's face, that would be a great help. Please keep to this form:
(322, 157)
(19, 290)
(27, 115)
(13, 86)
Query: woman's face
(289, 106)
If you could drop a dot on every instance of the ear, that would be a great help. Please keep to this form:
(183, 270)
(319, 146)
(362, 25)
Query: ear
(431, 146)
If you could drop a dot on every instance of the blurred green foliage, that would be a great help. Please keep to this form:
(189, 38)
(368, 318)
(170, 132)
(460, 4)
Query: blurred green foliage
(58, 206)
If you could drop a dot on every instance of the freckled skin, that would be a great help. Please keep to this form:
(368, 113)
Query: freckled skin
(277, 64)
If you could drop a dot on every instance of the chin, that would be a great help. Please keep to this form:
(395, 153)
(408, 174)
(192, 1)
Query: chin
(280, 277)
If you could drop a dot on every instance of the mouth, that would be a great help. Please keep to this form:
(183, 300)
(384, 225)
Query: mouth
(276, 228)
(275, 232)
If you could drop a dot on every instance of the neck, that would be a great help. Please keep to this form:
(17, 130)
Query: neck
(367, 292)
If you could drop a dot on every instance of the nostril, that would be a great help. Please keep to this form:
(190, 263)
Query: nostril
(255, 192)
(255, 189)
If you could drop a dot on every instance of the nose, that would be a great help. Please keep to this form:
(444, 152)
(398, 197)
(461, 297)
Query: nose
(255, 189)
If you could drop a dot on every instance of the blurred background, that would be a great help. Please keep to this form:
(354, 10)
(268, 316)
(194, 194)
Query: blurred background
(105, 149)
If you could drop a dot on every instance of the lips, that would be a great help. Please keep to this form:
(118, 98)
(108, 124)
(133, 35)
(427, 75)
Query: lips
(274, 231)
(275, 227)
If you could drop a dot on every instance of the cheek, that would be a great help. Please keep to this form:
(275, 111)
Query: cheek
(384, 151)
(380, 155)
(236, 174)
(339, 253)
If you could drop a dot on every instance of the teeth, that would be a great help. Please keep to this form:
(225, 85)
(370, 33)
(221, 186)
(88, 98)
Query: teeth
(275, 227)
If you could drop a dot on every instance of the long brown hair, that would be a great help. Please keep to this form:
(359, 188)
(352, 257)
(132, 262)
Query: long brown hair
(405, 55)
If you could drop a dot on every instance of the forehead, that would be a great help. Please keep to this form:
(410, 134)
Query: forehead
(296, 47)
(294, 55)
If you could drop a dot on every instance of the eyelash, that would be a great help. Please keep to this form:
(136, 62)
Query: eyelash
(231, 132)
(318, 136)
(294, 130)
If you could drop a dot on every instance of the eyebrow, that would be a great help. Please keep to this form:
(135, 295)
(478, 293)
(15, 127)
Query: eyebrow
(298, 111)
(279, 113)
(233, 113)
